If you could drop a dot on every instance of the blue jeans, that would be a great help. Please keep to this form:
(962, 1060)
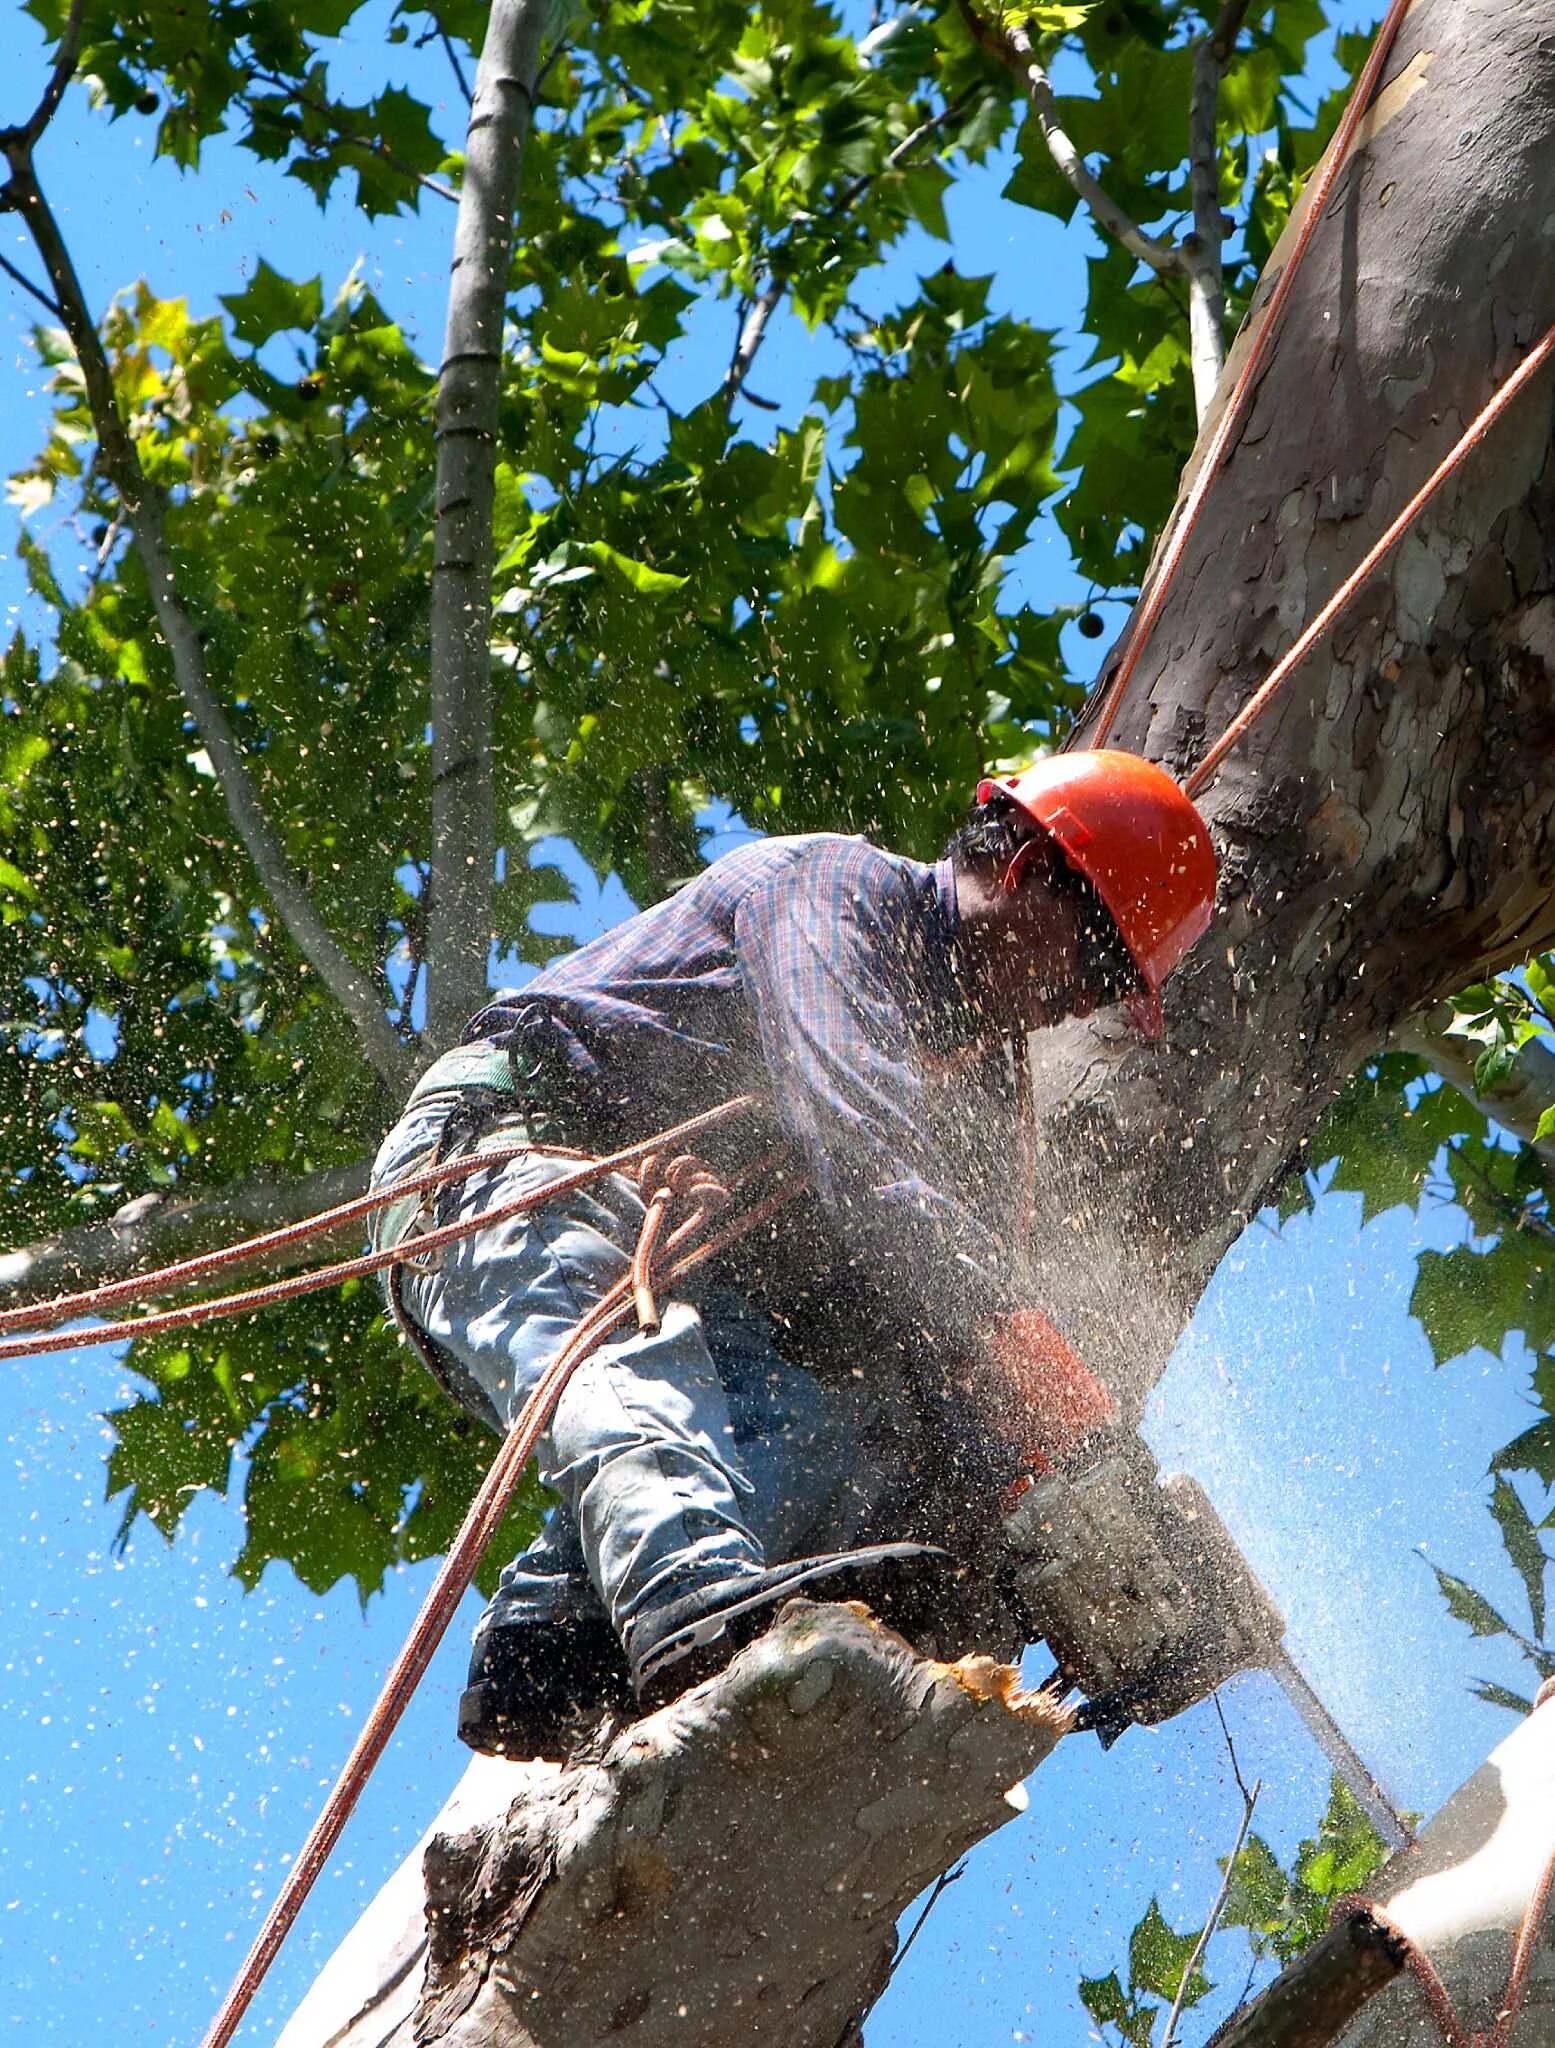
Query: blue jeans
(682, 1456)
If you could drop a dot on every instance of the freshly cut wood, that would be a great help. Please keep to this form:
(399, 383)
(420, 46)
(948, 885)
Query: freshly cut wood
(730, 1868)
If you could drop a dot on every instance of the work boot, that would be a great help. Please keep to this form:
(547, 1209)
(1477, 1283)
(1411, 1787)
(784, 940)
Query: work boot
(539, 1685)
(678, 1644)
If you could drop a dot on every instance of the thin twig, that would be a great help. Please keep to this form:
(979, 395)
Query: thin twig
(942, 1885)
(452, 54)
(755, 314)
(1249, 1801)
(1013, 47)
(65, 59)
(27, 285)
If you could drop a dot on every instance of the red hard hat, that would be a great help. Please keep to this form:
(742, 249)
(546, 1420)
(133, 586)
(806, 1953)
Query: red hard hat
(1141, 844)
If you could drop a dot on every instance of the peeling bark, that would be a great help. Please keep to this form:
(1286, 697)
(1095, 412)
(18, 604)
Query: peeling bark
(729, 1869)
(1387, 834)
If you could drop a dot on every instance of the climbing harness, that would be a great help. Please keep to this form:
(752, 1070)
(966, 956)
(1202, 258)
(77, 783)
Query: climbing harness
(666, 1178)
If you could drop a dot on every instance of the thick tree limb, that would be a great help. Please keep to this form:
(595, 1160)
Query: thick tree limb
(156, 1229)
(459, 907)
(1516, 1103)
(1012, 45)
(143, 505)
(730, 1869)
(1458, 1894)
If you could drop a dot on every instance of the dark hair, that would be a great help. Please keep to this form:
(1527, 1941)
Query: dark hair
(994, 832)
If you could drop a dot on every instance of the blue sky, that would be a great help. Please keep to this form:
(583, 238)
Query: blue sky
(165, 1739)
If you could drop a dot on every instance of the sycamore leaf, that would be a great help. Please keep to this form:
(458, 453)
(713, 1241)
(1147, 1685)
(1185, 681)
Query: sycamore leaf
(1523, 1547)
(1469, 1607)
(1158, 1958)
(271, 303)
(651, 582)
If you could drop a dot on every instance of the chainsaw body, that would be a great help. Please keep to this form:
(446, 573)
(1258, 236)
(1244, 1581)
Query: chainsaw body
(1136, 1586)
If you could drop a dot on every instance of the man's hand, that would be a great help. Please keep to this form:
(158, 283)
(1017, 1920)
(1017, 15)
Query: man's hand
(1042, 1396)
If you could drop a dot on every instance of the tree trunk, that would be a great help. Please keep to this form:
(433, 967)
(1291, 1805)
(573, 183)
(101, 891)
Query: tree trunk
(677, 1888)
(1386, 837)
(1386, 831)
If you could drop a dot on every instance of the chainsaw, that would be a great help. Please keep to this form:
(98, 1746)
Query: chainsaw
(1138, 1589)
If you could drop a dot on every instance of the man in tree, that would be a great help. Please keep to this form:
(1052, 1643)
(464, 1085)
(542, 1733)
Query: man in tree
(714, 1465)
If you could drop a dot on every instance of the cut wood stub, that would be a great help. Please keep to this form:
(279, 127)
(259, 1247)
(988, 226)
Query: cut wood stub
(733, 1867)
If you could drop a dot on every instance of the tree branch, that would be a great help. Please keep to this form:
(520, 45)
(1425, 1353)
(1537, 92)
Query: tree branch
(65, 58)
(459, 906)
(154, 1230)
(1515, 1103)
(349, 136)
(1012, 45)
(729, 1869)
(753, 326)
(1228, 1878)
(27, 285)
(1206, 277)
(144, 507)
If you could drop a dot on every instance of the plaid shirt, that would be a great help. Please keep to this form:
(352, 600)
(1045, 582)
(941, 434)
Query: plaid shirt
(820, 973)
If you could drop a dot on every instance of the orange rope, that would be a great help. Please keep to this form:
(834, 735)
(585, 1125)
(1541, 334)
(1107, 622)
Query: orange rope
(1314, 631)
(459, 1566)
(368, 1262)
(1252, 369)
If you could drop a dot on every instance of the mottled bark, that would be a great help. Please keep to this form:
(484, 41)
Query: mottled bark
(731, 1869)
(154, 1230)
(1386, 832)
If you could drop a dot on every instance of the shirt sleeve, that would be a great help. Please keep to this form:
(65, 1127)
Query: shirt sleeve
(832, 955)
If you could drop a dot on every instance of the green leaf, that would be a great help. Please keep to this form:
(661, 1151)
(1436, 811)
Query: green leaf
(1158, 1959)
(1110, 2006)
(651, 582)
(1545, 1127)
(1500, 1696)
(1522, 1546)
(1469, 1607)
(271, 303)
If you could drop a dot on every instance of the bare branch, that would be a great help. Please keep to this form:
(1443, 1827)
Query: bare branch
(1515, 1103)
(1012, 45)
(144, 508)
(65, 59)
(156, 1229)
(27, 285)
(1249, 1801)
(459, 72)
(459, 906)
(753, 330)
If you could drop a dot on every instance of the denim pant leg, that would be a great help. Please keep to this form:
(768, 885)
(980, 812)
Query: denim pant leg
(641, 1447)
